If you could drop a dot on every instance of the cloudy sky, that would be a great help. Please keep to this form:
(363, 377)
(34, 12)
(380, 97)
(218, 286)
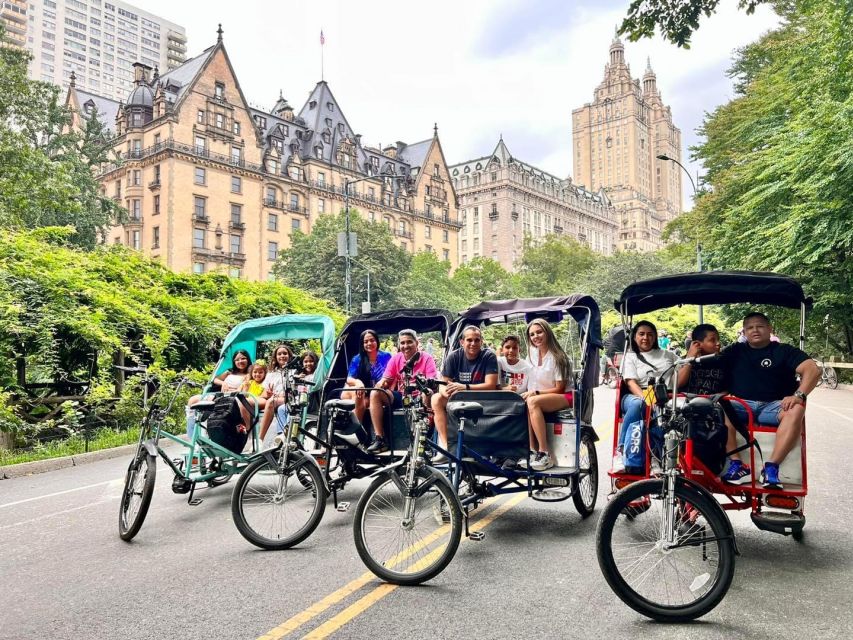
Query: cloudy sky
(479, 68)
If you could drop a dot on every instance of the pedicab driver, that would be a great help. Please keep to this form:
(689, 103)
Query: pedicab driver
(471, 368)
(762, 372)
(393, 382)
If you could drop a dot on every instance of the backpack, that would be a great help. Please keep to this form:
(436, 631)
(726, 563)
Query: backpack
(223, 421)
(708, 432)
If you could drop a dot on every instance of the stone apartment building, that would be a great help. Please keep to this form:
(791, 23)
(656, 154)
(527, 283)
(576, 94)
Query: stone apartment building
(503, 199)
(617, 139)
(212, 184)
(13, 17)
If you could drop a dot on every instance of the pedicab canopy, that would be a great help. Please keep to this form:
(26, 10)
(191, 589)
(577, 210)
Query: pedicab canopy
(712, 287)
(248, 334)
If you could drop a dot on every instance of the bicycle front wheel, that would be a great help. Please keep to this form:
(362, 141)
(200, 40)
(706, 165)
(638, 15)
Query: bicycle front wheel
(831, 378)
(407, 548)
(586, 491)
(667, 582)
(277, 508)
(136, 496)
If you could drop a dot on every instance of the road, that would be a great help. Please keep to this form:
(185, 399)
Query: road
(66, 574)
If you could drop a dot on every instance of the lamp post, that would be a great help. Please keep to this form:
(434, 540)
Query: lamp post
(665, 157)
(367, 269)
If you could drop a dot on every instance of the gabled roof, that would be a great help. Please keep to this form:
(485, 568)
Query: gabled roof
(176, 82)
(106, 108)
(415, 154)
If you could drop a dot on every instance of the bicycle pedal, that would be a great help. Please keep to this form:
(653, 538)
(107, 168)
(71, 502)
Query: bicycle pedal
(477, 536)
(343, 507)
(195, 502)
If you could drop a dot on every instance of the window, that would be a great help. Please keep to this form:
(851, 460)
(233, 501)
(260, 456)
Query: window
(156, 174)
(200, 117)
(219, 120)
(272, 222)
(219, 91)
(445, 236)
(156, 205)
(296, 224)
(236, 244)
(199, 238)
(234, 272)
(236, 184)
(295, 173)
(427, 231)
(200, 207)
(198, 267)
(200, 144)
(321, 178)
(155, 238)
(135, 209)
(236, 214)
(446, 254)
(200, 175)
(236, 128)
(136, 239)
(272, 166)
(271, 196)
(436, 171)
(294, 201)
(272, 251)
(371, 193)
(236, 155)
(137, 177)
(321, 205)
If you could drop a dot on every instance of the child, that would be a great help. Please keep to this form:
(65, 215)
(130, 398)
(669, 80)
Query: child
(703, 378)
(254, 385)
(513, 372)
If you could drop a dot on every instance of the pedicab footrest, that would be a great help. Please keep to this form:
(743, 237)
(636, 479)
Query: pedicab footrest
(777, 522)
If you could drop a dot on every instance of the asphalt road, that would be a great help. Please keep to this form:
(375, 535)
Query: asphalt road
(66, 574)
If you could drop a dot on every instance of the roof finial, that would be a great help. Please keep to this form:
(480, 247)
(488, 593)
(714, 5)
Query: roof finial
(73, 80)
(280, 94)
(435, 129)
(502, 136)
(648, 64)
(219, 33)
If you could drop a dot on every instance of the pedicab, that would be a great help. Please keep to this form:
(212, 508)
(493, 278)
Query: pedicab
(409, 522)
(665, 544)
(337, 440)
(211, 457)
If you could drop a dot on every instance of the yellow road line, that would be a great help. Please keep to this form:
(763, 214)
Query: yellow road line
(361, 605)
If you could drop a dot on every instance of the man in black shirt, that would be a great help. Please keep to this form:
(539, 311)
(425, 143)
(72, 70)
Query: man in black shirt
(763, 374)
(470, 368)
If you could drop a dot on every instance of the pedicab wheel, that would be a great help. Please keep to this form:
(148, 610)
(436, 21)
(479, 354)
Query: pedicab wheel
(831, 378)
(667, 583)
(277, 508)
(401, 551)
(586, 492)
(136, 496)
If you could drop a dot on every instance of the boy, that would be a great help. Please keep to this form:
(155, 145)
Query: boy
(513, 372)
(703, 378)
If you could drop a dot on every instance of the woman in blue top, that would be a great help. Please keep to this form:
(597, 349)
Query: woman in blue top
(365, 370)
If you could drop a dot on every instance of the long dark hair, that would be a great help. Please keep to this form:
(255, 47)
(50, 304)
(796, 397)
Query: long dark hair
(635, 347)
(241, 352)
(364, 361)
(274, 363)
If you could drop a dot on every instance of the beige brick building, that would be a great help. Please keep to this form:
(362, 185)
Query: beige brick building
(617, 139)
(503, 199)
(13, 17)
(212, 184)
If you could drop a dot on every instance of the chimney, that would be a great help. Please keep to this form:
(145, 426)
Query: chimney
(390, 151)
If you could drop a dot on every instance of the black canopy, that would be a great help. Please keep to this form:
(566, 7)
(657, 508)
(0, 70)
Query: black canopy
(712, 287)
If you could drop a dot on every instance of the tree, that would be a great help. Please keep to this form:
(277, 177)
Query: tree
(552, 267)
(312, 262)
(428, 284)
(676, 20)
(484, 279)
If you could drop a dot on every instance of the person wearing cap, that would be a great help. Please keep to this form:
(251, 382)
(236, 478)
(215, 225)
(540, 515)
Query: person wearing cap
(392, 384)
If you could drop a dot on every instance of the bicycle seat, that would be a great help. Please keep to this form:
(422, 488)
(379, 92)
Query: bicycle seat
(343, 405)
(467, 410)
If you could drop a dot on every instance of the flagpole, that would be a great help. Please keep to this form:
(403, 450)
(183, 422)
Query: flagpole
(322, 61)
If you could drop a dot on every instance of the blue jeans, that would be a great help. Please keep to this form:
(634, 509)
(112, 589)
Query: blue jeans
(633, 410)
(283, 418)
(766, 413)
(632, 439)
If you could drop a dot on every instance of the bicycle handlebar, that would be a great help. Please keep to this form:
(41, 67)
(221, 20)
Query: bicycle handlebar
(130, 369)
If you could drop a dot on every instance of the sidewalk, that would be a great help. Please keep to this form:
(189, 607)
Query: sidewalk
(52, 464)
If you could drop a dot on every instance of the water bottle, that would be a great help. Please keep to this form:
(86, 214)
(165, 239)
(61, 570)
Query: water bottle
(303, 394)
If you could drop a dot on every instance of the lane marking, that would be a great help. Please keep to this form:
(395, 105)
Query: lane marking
(50, 515)
(833, 412)
(60, 493)
(367, 601)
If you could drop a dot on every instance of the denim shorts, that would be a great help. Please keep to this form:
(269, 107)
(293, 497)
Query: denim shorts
(766, 413)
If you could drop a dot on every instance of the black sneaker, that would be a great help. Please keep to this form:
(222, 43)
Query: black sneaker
(378, 445)
(510, 464)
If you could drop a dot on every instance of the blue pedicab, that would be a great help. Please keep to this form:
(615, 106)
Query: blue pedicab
(213, 458)
(409, 522)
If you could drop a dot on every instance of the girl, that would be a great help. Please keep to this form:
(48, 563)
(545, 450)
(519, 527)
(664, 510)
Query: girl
(274, 387)
(550, 371)
(365, 370)
(228, 381)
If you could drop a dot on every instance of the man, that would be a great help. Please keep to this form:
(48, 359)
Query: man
(762, 372)
(470, 368)
(393, 384)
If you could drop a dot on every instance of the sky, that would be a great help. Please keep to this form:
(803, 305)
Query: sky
(478, 69)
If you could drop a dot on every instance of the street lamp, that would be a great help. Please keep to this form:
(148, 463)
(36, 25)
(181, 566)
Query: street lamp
(364, 309)
(665, 157)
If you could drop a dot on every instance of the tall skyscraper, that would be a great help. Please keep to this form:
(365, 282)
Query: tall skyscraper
(13, 17)
(617, 139)
(99, 42)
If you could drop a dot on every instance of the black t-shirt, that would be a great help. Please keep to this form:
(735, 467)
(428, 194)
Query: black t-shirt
(459, 368)
(765, 374)
(706, 378)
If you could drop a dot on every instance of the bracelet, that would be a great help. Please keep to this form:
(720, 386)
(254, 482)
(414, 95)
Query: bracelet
(467, 387)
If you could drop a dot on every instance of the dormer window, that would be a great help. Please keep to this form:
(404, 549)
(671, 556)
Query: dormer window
(312, 104)
(330, 106)
(318, 152)
(328, 122)
(219, 91)
(341, 127)
(262, 122)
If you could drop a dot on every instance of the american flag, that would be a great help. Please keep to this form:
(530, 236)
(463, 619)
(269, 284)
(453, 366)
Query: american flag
(322, 37)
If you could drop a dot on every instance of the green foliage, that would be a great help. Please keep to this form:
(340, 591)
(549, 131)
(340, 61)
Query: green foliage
(429, 285)
(485, 279)
(552, 267)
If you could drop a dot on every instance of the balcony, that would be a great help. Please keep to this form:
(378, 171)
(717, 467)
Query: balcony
(236, 225)
(403, 234)
(201, 218)
(293, 208)
(117, 198)
(493, 215)
(133, 221)
(275, 204)
(154, 184)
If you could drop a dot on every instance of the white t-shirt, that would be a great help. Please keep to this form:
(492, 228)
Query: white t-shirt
(274, 385)
(659, 360)
(516, 374)
(545, 376)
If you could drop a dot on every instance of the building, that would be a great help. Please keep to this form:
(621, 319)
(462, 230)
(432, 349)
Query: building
(13, 17)
(211, 183)
(617, 139)
(503, 199)
(98, 42)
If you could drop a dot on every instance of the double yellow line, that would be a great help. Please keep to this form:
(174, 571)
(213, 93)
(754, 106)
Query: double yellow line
(365, 602)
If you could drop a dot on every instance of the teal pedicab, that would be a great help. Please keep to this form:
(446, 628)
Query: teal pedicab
(212, 458)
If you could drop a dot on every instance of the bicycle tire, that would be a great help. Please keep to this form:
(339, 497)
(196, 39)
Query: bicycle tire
(137, 493)
(409, 558)
(708, 566)
(586, 489)
(262, 494)
(831, 377)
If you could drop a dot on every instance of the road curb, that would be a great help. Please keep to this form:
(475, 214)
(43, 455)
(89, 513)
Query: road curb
(54, 464)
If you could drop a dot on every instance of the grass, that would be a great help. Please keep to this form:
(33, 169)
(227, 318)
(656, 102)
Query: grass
(103, 439)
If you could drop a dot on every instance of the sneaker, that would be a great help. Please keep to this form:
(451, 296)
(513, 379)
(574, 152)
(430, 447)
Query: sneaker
(439, 458)
(543, 461)
(509, 464)
(523, 462)
(737, 473)
(770, 476)
(618, 462)
(378, 445)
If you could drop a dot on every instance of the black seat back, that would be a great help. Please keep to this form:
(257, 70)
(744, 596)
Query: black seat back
(500, 431)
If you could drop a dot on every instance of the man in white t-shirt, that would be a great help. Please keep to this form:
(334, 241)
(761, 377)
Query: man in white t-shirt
(513, 372)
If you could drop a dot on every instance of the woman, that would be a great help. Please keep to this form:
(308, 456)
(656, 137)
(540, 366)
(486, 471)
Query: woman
(550, 372)
(645, 360)
(309, 365)
(274, 387)
(228, 381)
(365, 370)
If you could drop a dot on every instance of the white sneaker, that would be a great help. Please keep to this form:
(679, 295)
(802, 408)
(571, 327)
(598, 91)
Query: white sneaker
(542, 462)
(522, 463)
(618, 462)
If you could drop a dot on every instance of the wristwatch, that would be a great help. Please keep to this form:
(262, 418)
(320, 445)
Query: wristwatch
(468, 388)
(799, 394)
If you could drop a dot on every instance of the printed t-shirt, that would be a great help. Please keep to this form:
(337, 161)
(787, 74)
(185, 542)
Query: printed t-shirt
(706, 378)
(546, 375)
(764, 374)
(658, 361)
(516, 374)
(458, 368)
(425, 365)
(377, 369)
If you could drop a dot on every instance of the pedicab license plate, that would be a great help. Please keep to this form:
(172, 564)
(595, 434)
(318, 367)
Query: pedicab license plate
(556, 482)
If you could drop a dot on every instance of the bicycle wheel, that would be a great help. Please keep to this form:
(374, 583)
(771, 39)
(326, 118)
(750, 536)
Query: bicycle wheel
(831, 377)
(587, 483)
(667, 583)
(410, 551)
(136, 496)
(277, 508)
